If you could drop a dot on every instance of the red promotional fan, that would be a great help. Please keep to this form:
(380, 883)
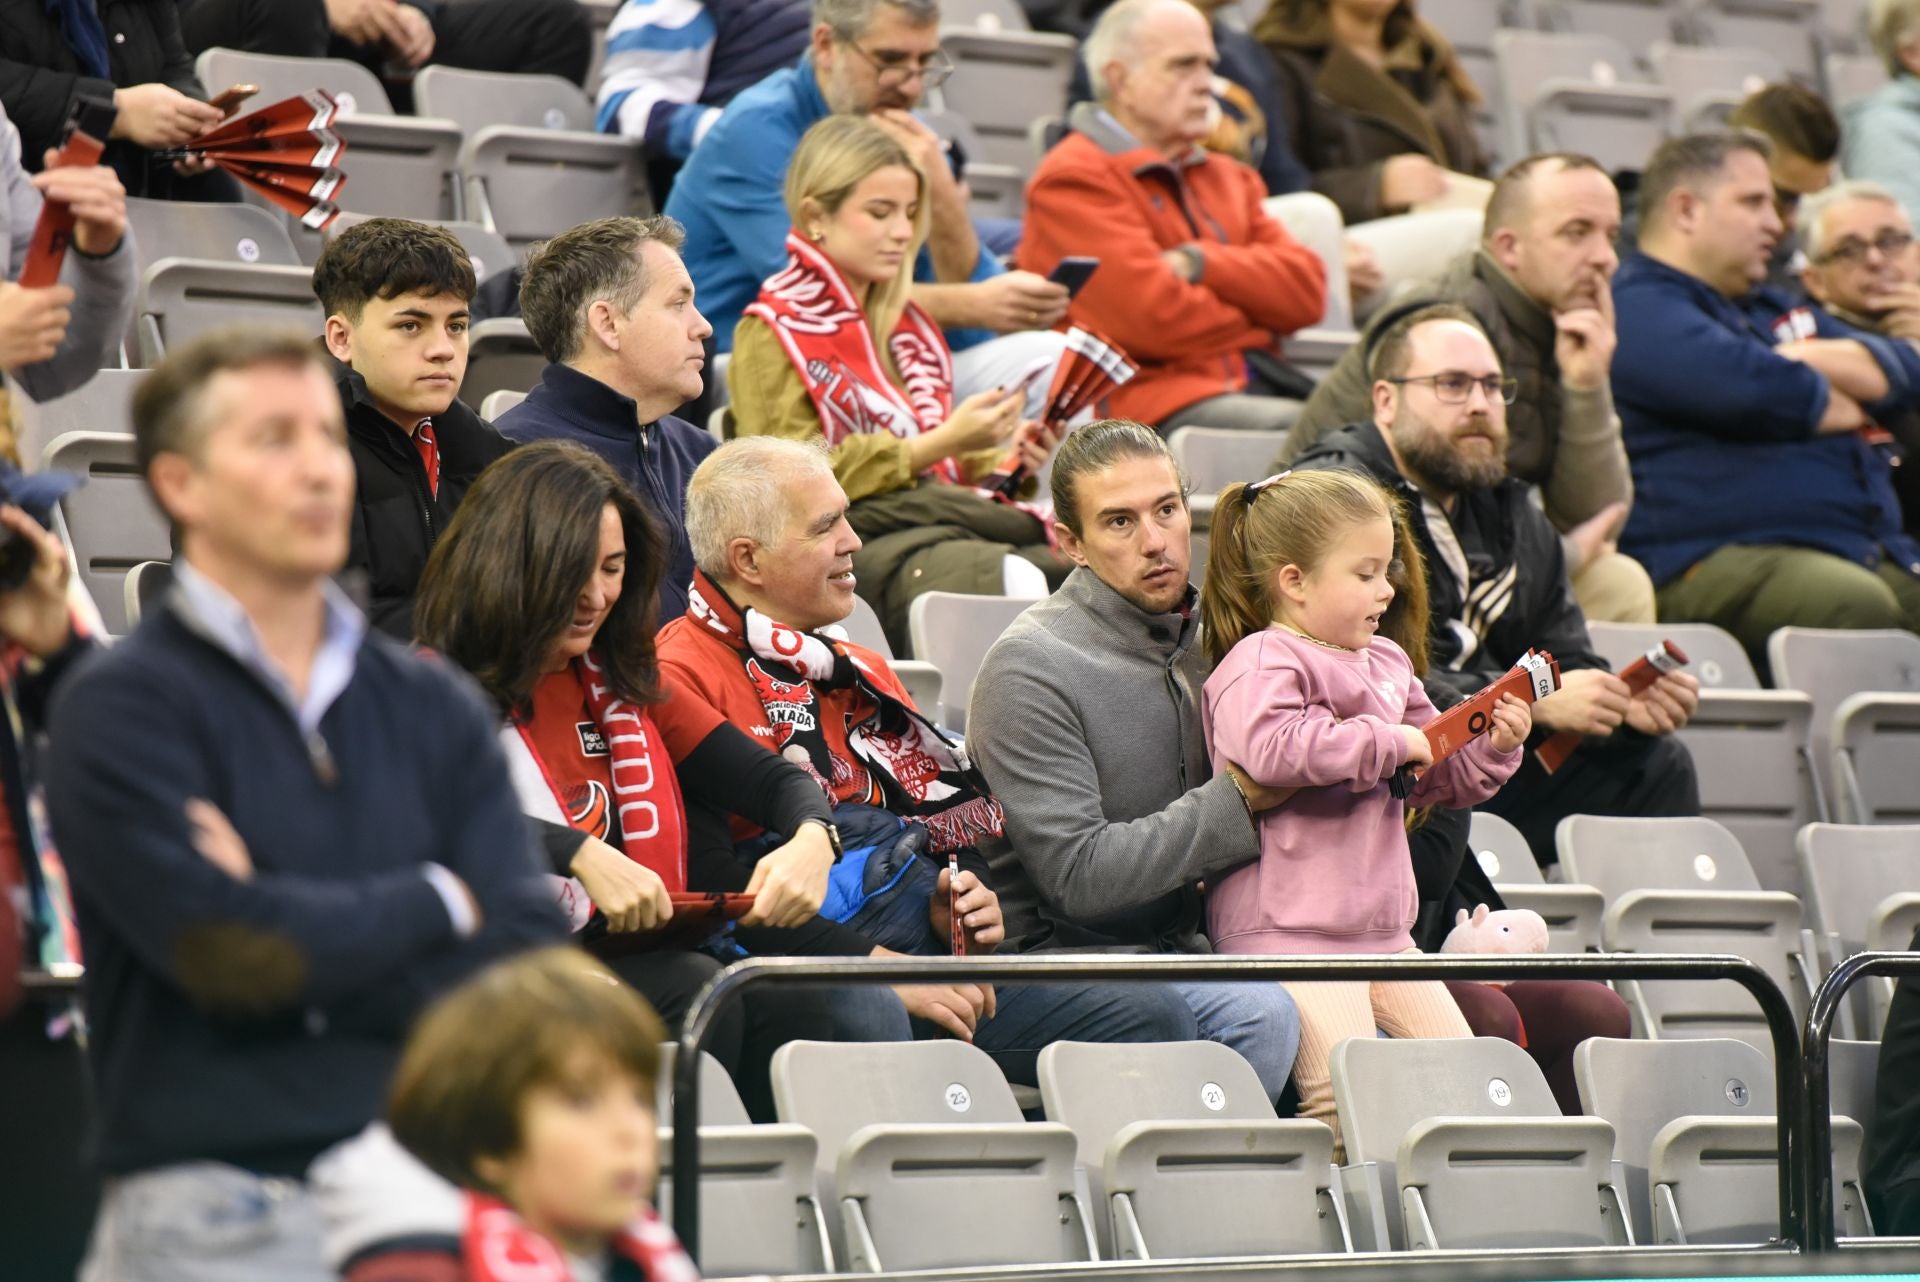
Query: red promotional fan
(287, 152)
(87, 129)
(1091, 367)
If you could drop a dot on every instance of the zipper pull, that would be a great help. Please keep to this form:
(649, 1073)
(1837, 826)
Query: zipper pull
(321, 758)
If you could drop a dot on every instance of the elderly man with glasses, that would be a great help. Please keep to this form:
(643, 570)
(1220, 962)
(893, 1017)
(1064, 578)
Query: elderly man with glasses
(1861, 265)
(1497, 579)
(874, 58)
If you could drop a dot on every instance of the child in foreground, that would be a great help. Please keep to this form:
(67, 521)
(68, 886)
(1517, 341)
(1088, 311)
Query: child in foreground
(527, 1098)
(1307, 695)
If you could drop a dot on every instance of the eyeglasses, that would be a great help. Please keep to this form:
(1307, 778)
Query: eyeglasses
(1455, 388)
(895, 69)
(1853, 251)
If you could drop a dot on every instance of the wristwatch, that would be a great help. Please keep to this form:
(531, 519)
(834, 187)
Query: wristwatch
(833, 838)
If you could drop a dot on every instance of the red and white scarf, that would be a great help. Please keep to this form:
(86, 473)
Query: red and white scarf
(647, 803)
(497, 1246)
(825, 713)
(823, 329)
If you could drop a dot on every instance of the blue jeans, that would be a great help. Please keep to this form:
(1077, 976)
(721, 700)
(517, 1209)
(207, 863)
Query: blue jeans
(205, 1222)
(1028, 1017)
(1255, 1017)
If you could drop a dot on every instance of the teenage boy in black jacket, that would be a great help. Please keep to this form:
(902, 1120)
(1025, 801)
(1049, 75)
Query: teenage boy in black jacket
(284, 834)
(1497, 581)
(397, 294)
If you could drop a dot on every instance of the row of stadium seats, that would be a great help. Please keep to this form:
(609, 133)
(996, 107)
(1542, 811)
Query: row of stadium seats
(900, 1156)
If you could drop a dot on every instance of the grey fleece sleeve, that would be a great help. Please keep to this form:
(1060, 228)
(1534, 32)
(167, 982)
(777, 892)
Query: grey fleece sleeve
(102, 287)
(1589, 461)
(1029, 738)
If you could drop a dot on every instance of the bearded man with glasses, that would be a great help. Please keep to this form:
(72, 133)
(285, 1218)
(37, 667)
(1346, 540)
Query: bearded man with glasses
(1497, 579)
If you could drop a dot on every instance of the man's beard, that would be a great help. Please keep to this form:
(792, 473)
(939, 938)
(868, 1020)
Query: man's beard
(1441, 463)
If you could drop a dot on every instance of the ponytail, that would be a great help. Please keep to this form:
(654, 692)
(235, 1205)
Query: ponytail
(1405, 622)
(1233, 598)
(1292, 519)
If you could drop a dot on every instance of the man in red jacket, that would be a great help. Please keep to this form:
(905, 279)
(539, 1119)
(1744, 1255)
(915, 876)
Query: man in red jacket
(1196, 281)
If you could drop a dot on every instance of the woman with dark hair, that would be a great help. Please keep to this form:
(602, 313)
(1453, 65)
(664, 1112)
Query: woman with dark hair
(1379, 108)
(543, 588)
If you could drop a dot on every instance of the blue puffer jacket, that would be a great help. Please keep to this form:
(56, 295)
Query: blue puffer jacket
(1723, 433)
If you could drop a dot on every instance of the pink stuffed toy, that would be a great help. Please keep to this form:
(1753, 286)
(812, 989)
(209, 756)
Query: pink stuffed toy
(1511, 930)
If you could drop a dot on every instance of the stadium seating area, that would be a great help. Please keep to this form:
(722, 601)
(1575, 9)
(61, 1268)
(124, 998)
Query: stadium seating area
(894, 1158)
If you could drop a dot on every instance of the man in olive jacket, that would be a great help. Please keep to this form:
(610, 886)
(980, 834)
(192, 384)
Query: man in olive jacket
(1539, 284)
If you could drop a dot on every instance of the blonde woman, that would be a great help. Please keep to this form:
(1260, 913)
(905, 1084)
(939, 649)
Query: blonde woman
(833, 348)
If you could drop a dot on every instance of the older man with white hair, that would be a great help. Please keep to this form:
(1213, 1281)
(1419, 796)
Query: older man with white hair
(760, 645)
(1196, 281)
(1861, 261)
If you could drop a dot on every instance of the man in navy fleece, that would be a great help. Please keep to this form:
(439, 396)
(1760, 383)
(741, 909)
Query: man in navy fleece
(284, 834)
(1758, 500)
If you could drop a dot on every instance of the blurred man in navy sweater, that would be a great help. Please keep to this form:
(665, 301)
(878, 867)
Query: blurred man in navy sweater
(284, 834)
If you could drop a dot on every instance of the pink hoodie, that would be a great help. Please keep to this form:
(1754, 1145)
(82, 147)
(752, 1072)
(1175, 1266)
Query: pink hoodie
(1334, 875)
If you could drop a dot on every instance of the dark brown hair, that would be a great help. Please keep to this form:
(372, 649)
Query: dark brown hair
(502, 582)
(598, 259)
(463, 1079)
(1793, 117)
(168, 409)
(1096, 445)
(1695, 161)
(387, 257)
(1292, 520)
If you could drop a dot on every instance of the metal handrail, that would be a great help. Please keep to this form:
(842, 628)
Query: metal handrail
(759, 972)
(1817, 1180)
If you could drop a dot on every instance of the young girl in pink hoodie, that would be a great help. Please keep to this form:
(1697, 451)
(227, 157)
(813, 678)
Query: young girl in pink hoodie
(1307, 695)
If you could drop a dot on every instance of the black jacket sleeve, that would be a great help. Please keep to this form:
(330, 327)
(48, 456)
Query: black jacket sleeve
(38, 101)
(729, 771)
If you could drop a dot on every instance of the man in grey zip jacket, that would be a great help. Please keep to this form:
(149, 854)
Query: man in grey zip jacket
(1085, 718)
(98, 269)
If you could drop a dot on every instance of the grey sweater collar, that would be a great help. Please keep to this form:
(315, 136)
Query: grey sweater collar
(1165, 635)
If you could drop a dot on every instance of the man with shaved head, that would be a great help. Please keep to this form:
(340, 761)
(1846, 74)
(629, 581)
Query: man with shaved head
(1539, 284)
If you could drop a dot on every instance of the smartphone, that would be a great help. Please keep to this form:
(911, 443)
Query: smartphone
(1032, 374)
(1073, 273)
(230, 100)
(956, 928)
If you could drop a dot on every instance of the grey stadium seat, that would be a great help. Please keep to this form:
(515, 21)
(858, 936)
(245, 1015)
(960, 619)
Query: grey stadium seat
(1637, 24)
(1865, 712)
(1683, 1101)
(219, 232)
(1458, 1132)
(1578, 92)
(1862, 883)
(1782, 30)
(1708, 83)
(953, 632)
(1185, 1157)
(758, 1211)
(928, 1159)
(111, 522)
(533, 164)
(145, 583)
(497, 403)
(399, 165)
(922, 679)
(1572, 912)
(501, 356)
(1211, 458)
(1850, 77)
(1750, 747)
(102, 404)
(1003, 81)
(1684, 885)
(183, 298)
